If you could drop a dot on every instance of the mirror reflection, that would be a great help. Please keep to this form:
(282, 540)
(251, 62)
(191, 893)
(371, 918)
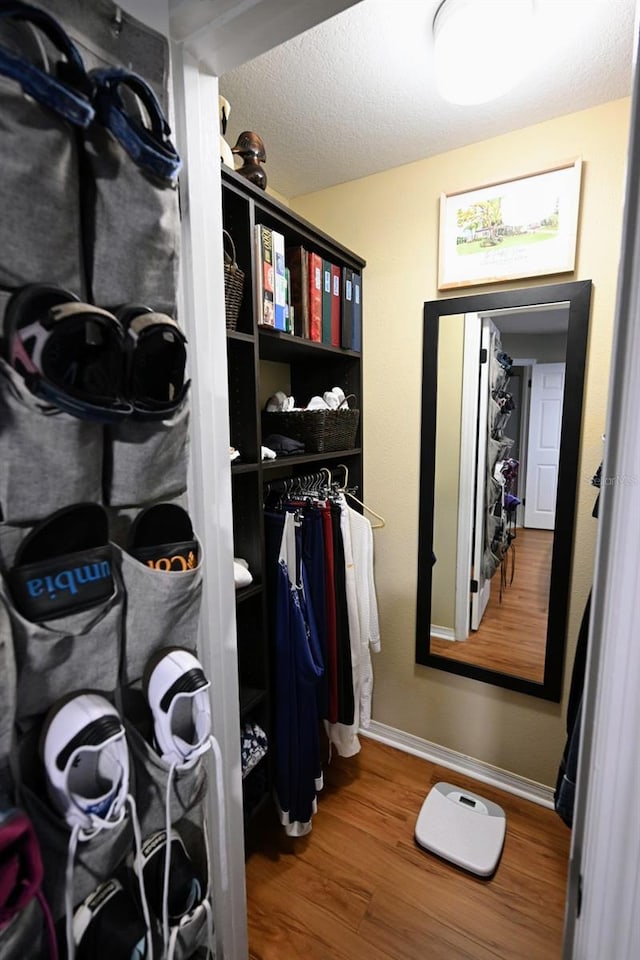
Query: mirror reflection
(502, 403)
(504, 521)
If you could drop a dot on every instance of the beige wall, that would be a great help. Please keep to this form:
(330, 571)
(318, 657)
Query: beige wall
(391, 219)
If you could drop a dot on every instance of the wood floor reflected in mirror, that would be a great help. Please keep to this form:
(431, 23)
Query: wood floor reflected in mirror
(512, 636)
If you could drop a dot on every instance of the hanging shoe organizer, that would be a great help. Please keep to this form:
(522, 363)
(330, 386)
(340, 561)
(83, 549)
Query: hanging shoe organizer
(100, 568)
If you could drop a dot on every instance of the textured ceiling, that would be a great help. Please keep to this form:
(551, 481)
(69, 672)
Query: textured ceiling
(356, 94)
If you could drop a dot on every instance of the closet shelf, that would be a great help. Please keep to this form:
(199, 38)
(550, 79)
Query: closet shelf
(245, 593)
(270, 465)
(238, 335)
(304, 368)
(278, 346)
(251, 813)
(250, 697)
(275, 214)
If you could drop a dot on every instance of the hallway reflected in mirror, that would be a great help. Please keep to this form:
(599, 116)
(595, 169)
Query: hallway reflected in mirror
(501, 411)
(501, 373)
(512, 636)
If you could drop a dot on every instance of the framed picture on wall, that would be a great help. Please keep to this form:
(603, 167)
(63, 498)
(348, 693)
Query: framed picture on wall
(525, 227)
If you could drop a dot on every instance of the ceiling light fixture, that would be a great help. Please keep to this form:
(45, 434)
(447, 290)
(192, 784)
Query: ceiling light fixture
(482, 48)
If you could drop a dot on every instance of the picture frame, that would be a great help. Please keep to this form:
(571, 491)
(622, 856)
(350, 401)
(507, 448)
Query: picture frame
(507, 230)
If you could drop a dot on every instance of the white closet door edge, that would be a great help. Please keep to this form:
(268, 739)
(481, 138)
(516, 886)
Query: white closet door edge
(202, 311)
(604, 874)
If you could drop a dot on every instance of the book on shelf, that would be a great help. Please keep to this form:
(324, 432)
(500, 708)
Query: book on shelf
(346, 333)
(315, 297)
(335, 305)
(280, 290)
(288, 309)
(265, 276)
(356, 339)
(326, 301)
(297, 263)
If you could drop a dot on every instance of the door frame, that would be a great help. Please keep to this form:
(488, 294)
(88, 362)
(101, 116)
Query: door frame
(467, 487)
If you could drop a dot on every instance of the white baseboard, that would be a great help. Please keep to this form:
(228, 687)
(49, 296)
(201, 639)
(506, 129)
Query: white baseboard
(442, 633)
(452, 760)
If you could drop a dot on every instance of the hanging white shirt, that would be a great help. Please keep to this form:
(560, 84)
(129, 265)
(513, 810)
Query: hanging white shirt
(364, 634)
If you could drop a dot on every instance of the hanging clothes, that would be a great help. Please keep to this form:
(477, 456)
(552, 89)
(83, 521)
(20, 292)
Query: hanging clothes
(323, 621)
(313, 557)
(344, 658)
(362, 551)
(298, 667)
(331, 640)
(364, 633)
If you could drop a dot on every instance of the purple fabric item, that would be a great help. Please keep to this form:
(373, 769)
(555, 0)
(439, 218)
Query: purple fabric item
(21, 869)
(21, 873)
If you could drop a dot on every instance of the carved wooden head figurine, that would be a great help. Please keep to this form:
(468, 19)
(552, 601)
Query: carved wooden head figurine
(250, 147)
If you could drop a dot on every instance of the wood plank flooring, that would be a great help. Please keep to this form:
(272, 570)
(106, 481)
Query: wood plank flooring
(513, 633)
(359, 888)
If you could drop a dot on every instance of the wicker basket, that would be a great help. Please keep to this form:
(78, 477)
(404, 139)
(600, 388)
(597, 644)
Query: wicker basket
(321, 431)
(233, 283)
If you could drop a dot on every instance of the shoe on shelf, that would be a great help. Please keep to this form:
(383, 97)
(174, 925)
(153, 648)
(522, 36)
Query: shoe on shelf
(70, 553)
(86, 762)
(185, 888)
(107, 925)
(68, 353)
(177, 692)
(162, 537)
(156, 357)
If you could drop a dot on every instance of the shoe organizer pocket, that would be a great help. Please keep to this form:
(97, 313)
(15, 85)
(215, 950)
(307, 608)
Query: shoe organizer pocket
(133, 231)
(23, 937)
(194, 931)
(41, 240)
(49, 458)
(188, 787)
(162, 610)
(10, 539)
(75, 652)
(7, 687)
(95, 860)
(146, 460)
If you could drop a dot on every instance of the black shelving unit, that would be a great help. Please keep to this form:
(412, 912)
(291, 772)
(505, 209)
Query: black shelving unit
(308, 368)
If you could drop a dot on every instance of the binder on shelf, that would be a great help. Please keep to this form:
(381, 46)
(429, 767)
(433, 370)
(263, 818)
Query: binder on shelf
(288, 309)
(315, 297)
(346, 337)
(335, 305)
(356, 340)
(280, 292)
(326, 301)
(297, 261)
(265, 276)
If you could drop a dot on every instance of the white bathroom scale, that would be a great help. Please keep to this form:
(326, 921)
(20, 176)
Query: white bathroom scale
(462, 827)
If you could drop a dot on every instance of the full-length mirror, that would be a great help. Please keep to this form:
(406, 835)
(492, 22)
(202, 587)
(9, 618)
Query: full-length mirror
(501, 412)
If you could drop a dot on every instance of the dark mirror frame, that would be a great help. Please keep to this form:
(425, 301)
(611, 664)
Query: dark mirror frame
(578, 294)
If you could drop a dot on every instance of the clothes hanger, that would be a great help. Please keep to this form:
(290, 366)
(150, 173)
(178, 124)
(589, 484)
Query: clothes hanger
(343, 489)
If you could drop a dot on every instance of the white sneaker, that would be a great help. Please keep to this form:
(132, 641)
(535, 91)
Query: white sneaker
(178, 695)
(177, 692)
(86, 762)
